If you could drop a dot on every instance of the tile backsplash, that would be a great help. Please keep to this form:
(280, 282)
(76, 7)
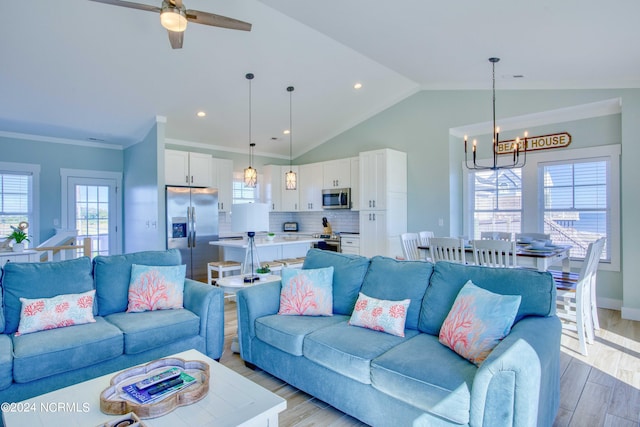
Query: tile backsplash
(308, 222)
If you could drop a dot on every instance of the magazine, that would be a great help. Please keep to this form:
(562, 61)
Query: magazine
(159, 391)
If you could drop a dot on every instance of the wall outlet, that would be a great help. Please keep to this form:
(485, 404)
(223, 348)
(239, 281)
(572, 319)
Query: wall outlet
(441, 222)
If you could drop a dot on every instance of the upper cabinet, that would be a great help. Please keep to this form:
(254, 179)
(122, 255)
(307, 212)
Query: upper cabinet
(222, 179)
(188, 169)
(381, 172)
(336, 173)
(310, 184)
(273, 188)
(355, 183)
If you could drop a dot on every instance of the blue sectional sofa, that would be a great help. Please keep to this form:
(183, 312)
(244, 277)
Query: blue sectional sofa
(387, 380)
(39, 362)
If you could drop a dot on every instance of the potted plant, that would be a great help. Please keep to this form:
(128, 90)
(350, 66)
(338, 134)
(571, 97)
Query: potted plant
(263, 271)
(19, 237)
(271, 236)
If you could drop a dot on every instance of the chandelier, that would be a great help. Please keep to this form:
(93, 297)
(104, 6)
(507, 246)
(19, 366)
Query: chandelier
(500, 148)
(250, 174)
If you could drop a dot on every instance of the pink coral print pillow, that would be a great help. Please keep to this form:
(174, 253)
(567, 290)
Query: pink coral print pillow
(380, 315)
(156, 287)
(50, 313)
(478, 321)
(307, 292)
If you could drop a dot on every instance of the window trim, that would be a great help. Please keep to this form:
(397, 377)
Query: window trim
(533, 198)
(34, 170)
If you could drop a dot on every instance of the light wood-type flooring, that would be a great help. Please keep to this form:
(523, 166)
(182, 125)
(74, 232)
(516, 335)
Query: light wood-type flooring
(602, 389)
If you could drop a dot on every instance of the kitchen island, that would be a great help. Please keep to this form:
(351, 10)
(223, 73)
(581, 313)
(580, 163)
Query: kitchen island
(285, 246)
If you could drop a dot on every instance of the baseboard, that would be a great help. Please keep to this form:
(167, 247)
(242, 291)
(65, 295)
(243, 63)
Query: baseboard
(610, 303)
(631, 313)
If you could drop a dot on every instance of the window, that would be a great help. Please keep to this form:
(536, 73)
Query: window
(18, 198)
(242, 193)
(497, 201)
(573, 195)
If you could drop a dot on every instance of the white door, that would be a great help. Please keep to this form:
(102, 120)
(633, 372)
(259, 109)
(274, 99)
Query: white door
(92, 209)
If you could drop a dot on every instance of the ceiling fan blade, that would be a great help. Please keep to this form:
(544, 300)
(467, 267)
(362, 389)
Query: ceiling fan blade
(130, 5)
(176, 38)
(214, 20)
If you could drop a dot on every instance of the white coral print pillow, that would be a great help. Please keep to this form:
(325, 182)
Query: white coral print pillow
(380, 315)
(307, 292)
(51, 313)
(156, 287)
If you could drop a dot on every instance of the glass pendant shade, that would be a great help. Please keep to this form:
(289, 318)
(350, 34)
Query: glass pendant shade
(290, 180)
(250, 177)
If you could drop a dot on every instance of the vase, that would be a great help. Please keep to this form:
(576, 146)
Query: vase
(18, 247)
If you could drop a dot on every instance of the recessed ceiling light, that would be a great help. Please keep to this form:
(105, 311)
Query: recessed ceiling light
(357, 86)
(286, 132)
(201, 114)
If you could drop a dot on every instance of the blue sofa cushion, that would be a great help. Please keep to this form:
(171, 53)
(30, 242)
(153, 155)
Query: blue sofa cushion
(537, 289)
(41, 280)
(6, 361)
(349, 350)
(390, 279)
(152, 329)
(42, 354)
(348, 273)
(287, 333)
(112, 274)
(424, 373)
(1, 302)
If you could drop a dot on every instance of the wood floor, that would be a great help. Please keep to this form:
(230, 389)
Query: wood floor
(602, 389)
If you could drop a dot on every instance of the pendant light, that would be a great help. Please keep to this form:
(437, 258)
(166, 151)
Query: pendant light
(290, 178)
(250, 174)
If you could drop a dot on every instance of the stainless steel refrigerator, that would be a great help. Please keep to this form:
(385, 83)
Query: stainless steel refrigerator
(192, 222)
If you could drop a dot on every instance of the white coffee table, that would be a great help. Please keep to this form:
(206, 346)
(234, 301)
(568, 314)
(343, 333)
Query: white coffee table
(232, 400)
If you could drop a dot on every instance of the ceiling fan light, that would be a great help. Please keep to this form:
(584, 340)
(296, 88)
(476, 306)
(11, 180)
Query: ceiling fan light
(173, 19)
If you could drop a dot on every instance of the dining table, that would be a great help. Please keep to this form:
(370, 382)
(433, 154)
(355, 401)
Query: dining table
(527, 257)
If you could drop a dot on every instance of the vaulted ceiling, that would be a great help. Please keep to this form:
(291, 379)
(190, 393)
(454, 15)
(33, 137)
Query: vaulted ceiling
(77, 69)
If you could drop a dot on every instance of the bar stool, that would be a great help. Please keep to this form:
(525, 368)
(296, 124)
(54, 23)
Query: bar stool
(221, 267)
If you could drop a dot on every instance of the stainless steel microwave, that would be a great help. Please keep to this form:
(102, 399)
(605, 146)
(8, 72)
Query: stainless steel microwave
(336, 198)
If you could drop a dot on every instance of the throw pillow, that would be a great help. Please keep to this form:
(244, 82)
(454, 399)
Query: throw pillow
(307, 292)
(380, 315)
(155, 287)
(50, 313)
(478, 321)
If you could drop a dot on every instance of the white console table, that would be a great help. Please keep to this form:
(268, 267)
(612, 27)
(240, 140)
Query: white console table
(25, 256)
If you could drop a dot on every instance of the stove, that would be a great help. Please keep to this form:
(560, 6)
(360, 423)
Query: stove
(329, 242)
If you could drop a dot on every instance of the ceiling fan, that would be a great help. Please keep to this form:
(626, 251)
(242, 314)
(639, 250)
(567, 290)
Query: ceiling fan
(174, 17)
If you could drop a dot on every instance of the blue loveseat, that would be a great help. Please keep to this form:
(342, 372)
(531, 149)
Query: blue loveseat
(387, 380)
(39, 362)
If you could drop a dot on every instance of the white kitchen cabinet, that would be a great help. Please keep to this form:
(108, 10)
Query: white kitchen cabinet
(350, 244)
(310, 182)
(355, 183)
(383, 202)
(381, 172)
(186, 168)
(222, 179)
(274, 192)
(337, 173)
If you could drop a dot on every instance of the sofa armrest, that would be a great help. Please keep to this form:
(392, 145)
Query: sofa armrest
(207, 302)
(254, 302)
(519, 383)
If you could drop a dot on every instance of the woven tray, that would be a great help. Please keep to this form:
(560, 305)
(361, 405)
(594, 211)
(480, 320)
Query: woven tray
(112, 403)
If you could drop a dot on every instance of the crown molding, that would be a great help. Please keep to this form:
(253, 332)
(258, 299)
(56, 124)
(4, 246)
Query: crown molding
(42, 138)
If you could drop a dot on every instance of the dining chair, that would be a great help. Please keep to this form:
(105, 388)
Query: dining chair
(424, 237)
(533, 236)
(447, 249)
(496, 235)
(576, 296)
(410, 243)
(495, 253)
